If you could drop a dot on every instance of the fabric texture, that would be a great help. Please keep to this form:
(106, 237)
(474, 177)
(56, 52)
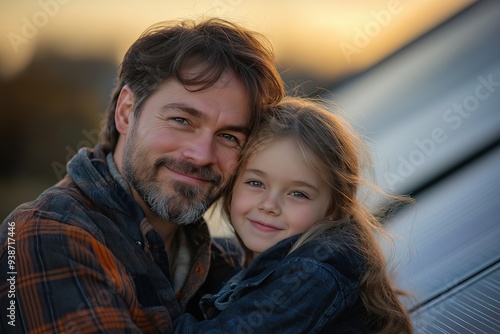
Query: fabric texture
(87, 260)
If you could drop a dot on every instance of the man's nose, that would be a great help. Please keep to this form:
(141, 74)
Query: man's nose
(200, 150)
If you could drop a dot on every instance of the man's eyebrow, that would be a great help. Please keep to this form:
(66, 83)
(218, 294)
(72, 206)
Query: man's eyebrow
(182, 107)
(244, 129)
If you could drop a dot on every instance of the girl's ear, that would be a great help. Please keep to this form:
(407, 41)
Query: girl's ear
(331, 215)
(124, 111)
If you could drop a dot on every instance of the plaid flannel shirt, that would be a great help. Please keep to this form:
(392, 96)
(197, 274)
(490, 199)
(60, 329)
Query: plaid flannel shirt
(82, 258)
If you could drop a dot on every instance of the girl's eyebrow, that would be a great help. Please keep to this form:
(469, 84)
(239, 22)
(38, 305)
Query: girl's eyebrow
(255, 171)
(299, 183)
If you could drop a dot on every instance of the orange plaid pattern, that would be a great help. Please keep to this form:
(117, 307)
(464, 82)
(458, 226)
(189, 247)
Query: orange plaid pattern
(81, 265)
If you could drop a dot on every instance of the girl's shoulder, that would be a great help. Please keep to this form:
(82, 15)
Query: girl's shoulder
(321, 256)
(333, 253)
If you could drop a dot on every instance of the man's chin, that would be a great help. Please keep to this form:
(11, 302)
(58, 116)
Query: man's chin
(179, 209)
(187, 217)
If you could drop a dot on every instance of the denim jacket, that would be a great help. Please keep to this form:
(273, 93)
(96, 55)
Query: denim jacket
(315, 289)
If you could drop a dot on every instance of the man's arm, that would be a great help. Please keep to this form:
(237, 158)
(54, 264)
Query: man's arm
(68, 281)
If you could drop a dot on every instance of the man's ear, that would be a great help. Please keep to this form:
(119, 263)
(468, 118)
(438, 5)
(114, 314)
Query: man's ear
(124, 110)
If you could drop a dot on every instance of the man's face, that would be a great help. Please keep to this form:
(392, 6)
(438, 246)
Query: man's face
(183, 147)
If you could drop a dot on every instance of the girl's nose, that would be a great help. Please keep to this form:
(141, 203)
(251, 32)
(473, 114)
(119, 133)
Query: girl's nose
(270, 204)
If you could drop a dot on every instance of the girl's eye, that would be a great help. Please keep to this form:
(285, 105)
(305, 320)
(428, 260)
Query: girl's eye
(299, 194)
(256, 184)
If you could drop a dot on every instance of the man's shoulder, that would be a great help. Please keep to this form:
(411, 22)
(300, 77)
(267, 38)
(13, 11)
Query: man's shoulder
(62, 204)
(227, 246)
(227, 250)
(226, 258)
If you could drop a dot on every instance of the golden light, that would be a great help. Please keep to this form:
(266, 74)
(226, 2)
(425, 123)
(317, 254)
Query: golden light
(326, 38)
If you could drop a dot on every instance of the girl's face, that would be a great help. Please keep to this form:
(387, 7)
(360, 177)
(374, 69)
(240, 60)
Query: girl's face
(277, 196)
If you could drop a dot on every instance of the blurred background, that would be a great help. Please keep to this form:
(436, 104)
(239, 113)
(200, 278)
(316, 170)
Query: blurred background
(420, 79)
(58, 61)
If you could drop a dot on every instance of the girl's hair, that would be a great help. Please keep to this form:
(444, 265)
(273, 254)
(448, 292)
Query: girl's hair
(334, 151)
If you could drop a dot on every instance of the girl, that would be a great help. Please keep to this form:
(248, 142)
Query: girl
(313, 264)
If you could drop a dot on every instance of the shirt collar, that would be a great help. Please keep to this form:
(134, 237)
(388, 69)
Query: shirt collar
(115, 174)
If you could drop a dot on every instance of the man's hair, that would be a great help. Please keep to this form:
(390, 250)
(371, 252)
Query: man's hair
(210, 47)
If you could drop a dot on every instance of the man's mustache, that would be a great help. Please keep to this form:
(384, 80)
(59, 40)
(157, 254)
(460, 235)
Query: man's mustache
(204, 173)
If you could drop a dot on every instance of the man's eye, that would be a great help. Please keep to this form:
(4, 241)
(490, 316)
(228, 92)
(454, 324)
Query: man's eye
(230, 137)
(181, 120)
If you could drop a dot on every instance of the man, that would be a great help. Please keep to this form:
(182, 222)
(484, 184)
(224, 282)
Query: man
(120, 245)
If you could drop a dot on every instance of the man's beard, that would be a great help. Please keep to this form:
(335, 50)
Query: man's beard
(181, 203)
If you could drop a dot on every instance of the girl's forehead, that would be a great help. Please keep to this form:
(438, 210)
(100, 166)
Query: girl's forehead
(283, 154)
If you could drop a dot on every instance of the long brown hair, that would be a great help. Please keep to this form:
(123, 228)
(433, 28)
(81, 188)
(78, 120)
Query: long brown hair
(335, 152)
(171, 50)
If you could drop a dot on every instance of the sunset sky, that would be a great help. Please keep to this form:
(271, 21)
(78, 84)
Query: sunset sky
(329, 38)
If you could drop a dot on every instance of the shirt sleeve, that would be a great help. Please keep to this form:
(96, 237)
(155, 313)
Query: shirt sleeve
(304, 298)
(67, 281)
